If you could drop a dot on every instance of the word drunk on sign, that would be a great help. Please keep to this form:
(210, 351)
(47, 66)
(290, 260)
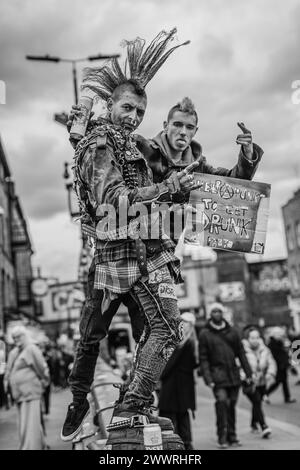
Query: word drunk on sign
(232, 214)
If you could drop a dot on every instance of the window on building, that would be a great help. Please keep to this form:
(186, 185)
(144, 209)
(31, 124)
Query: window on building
(294, 278)
(297, 230)
(18, 231)
(23, 271)
(1, 230)
(2, 299)
(290, 237)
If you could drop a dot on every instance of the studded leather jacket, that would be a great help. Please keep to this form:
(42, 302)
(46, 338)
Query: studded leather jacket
(108, 168)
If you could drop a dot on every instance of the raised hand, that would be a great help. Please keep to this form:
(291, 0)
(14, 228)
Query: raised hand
(186, 180)
(245, 139)
(75, 111)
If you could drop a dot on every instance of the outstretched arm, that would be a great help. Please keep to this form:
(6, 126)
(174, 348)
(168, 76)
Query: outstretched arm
(243, 358)
(248, 159)
(104, 176)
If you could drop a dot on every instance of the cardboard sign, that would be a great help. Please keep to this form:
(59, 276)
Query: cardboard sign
(232, 214)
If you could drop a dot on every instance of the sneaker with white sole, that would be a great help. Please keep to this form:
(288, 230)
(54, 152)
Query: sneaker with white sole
(266, 432)
(77, 412)
(222, 443)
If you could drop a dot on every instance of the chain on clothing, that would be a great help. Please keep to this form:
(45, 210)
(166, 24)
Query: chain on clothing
(133, 166)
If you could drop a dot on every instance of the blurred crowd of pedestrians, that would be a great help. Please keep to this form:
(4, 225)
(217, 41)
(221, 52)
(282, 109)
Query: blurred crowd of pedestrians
(31, 367)
(255, 362)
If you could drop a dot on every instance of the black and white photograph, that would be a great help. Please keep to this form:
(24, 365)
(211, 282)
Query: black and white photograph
(150, 229)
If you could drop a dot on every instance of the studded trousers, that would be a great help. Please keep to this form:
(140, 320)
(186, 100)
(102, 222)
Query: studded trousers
(155, 295)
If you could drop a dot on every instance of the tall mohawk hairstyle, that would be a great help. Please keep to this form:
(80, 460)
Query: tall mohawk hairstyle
(140, 66)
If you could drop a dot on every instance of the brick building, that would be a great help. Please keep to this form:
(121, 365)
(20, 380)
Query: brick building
(15, 252)
(233, 286)
(269, 293)
(291, 218)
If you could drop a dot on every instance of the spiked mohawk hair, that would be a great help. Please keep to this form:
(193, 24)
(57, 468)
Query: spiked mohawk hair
(185, 106)
(140, 66)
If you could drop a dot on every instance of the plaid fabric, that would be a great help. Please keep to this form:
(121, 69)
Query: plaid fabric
(115, 251)
(119, 276)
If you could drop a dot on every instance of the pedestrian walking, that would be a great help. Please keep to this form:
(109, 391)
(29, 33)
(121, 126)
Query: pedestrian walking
(264, 370)
(46, 349)
(3, 399)
(27, 374)
(281, 356)
(177, 393)
(219, 348)
(294, 338)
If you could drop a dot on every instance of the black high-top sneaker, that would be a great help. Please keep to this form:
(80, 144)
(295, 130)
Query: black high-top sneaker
(77, 412)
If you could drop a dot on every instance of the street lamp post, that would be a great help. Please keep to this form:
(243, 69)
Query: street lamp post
(72, 200)
(85, 253)
(62, 119)
(48, 58)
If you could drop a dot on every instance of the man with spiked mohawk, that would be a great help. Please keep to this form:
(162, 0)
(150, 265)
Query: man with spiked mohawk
(109, 167)
(171, 150)
(174, 148)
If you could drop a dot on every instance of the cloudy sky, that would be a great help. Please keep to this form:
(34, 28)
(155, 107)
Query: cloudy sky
(240, 66)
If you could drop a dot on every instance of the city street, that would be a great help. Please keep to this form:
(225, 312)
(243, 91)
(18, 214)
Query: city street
(282, 418)
(150, 227)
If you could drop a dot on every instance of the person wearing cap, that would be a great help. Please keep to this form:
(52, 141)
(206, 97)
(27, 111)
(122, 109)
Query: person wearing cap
(219, 348)
(177, 393)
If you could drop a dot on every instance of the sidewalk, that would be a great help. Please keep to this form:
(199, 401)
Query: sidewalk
(53, 423)
(284, 436)
(58, 409)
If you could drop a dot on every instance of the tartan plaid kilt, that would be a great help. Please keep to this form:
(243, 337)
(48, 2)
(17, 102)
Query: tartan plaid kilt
(118, 271)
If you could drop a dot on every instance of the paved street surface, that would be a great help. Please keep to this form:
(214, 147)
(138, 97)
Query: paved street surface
(282, 418)
(285, 435)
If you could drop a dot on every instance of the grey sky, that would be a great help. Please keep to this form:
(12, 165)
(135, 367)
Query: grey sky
(240, 65)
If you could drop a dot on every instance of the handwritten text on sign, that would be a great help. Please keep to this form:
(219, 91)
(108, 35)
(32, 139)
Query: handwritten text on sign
(232, 214)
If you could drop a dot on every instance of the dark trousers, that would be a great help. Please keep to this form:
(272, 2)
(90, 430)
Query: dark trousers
(281, 378)
(257, 411)
(162, 333)
(46, 396)
(93, 327)
(182, 425)
(226, 400)
(3, 398)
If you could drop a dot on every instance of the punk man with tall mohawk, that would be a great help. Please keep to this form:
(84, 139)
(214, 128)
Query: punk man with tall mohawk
(109, 167)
